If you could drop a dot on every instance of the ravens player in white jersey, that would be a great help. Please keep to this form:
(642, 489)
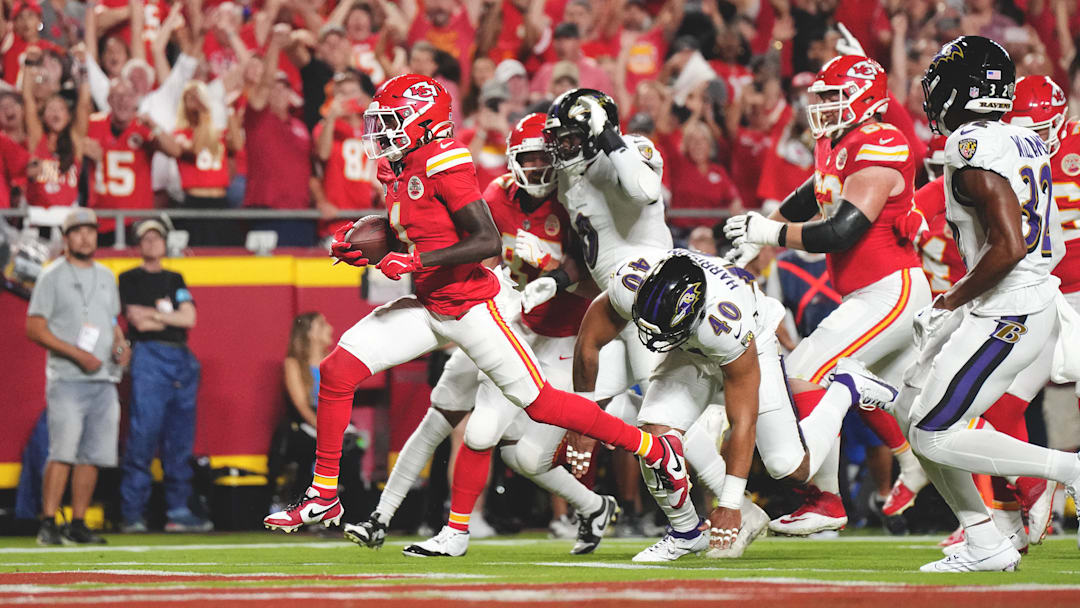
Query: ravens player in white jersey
(989, 326)
(719, 332)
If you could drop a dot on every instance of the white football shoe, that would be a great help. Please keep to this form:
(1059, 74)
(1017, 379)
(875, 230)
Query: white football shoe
(480, 528)
(1019, 540)
(870, 391)
(591, 528)
(370, 533)
(675, 545)
(755, 521)
(447, 543)
(563, 527)
(1073, 489)
(1040, 513)
(1003, 557)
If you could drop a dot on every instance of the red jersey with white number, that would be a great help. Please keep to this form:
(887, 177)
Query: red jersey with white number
(122, 179)
(205, 169)
(51, 187)
(1065, 167)
(877, 254)
(349, 176)
(14, 49)
(422, 192)
(560, 316)
(941, 261)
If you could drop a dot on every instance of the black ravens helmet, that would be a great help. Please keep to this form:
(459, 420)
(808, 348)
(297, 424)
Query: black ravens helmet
(670, 303)
(567, 131)
(970, 73)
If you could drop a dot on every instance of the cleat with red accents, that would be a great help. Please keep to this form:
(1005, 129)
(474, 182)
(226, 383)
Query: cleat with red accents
(671, 470)
(900, 499)
(819, 512)
(309, 509)
(956, 537)
(1037, 500)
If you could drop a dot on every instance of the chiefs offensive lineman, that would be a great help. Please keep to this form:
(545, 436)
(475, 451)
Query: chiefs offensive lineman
(863, 180)
(439, 214)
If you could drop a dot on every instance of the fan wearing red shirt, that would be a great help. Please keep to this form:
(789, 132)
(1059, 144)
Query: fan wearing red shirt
(864, 180)
(114, 18)
(120, 145)
(349, 176)
(448, 26)
(56, 138)
(442, 222)
(24, 35)
(699, 182)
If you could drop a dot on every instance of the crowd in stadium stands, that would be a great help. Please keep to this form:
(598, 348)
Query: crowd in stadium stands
(210, 104)
(258, 103)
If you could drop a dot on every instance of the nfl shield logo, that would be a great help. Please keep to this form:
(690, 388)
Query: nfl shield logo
(973, 92)
(1071, 164)
(415, 188)
(967, 148)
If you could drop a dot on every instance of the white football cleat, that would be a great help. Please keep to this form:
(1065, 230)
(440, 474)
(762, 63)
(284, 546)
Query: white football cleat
(447, 543)
(1040, 512)
(1019, 540)
(755, 521)
(1003, 557)
(675, 545)
(480, 528)
(867, 390)
(821, 511)
(370, 533)
(591, 528)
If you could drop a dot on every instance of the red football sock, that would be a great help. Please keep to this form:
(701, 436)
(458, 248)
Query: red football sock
(805, 402)
(576, 413)
(470, 477)
(884, 426)
(339, 374)
(1007, 416)
(1004, 495)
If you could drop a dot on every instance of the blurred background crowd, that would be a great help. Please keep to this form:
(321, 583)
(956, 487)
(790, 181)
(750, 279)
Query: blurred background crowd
(257, 103)
(159, 105)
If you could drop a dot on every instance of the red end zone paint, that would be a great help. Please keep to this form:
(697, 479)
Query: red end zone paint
(187, 589)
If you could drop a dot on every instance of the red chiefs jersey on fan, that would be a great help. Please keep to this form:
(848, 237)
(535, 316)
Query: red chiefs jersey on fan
(941, 259)
(349, 176)
(560, 316)
(51, 187)
(435, 181)
(122, 179)
(206, 169)
(1065, 167)
(877, 254)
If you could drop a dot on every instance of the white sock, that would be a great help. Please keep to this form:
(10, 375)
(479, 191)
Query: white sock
(911, 471)
(984, 535)
(559, 482)
(699, 447)
(414, 455)
(959, 491)
(822, 427)
(683, 519)
(827, 476)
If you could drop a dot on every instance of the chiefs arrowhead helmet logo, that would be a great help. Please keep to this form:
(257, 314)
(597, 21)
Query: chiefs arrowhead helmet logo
(421, 91)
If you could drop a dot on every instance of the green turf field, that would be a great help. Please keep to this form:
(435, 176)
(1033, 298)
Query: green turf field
(268, 564)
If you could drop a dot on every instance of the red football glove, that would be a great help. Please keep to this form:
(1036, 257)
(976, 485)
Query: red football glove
(343, 250)
(396, 264)
(909, 227)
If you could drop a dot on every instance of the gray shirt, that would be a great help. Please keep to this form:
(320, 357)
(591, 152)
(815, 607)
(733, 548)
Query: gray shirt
(78, 302)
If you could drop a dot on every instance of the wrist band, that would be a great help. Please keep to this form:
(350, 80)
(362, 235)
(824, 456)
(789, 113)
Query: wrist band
(732, 494)
(781, 239)
(562, 280)
(609, 140)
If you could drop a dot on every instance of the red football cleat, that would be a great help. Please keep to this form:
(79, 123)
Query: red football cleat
(956, 537)
(671, 470)
(1036, 499)
(900, 499)
(821, 511)
(307, 510)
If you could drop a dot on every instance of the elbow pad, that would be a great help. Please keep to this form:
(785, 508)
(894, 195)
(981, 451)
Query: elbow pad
(638, 180)
(800, 205)
(837, 233)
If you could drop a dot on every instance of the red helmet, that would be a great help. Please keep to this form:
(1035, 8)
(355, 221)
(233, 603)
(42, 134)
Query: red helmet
(935, 156)
(862, 91)
(528, 136)
(1039, 103)
(406, 112)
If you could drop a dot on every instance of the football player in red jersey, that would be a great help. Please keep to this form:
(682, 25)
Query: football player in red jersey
(863, 180)
(121, 145)
(439, 215)
(536, 236)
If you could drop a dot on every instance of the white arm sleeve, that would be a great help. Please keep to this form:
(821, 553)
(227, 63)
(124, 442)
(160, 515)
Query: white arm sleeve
(99, 84)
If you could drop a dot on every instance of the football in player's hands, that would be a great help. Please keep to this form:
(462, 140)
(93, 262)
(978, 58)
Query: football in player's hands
(371, 235)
